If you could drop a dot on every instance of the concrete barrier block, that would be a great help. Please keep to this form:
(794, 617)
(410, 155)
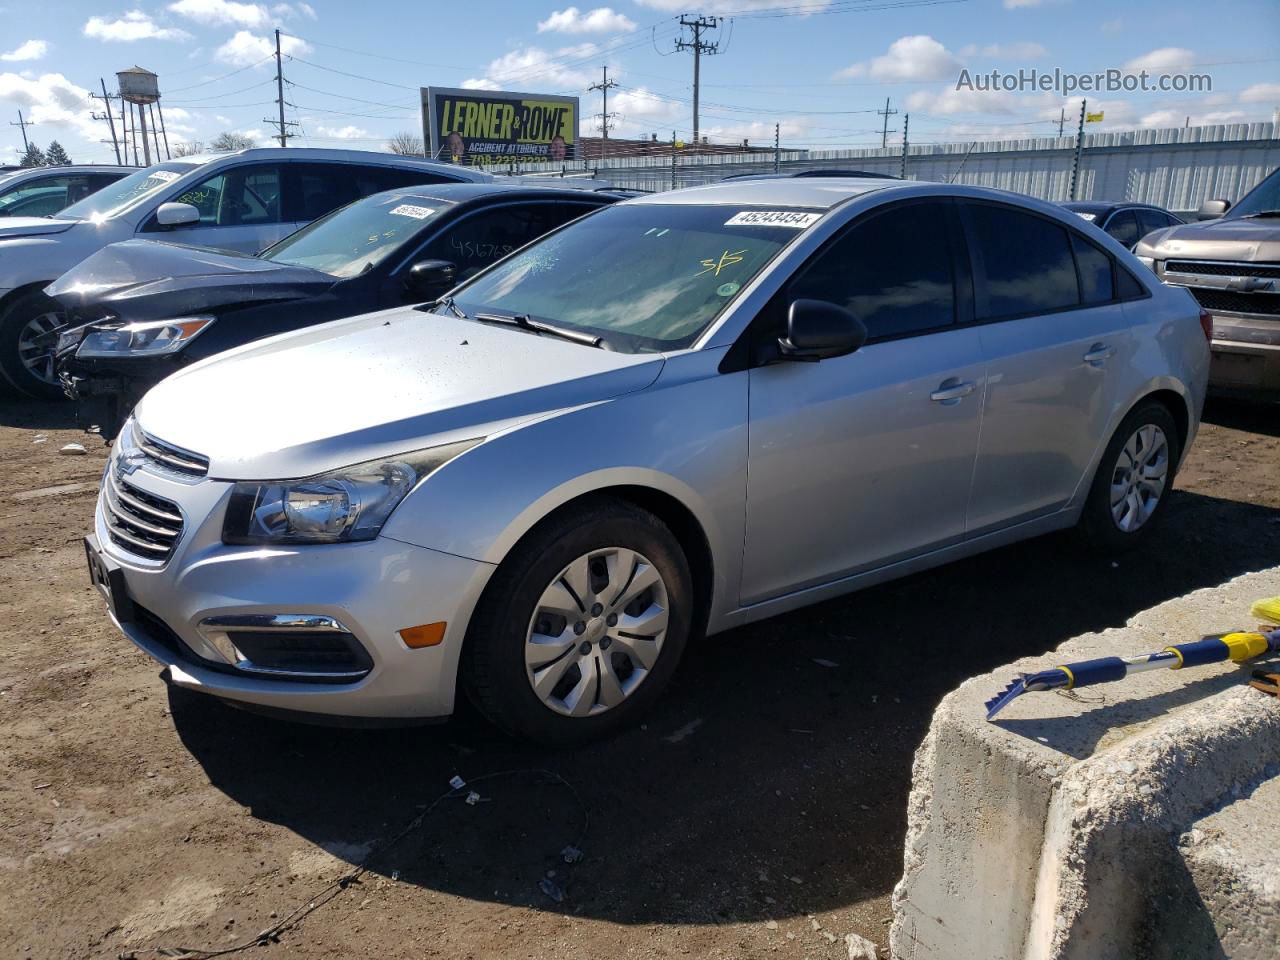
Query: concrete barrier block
(1053, 832)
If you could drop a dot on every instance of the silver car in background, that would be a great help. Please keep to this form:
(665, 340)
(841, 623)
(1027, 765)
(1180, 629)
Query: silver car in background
(674, 416)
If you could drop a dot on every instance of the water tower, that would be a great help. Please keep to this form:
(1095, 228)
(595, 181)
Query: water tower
(140, 87)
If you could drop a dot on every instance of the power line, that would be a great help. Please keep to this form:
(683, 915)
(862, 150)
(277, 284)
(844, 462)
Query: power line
(886, 113)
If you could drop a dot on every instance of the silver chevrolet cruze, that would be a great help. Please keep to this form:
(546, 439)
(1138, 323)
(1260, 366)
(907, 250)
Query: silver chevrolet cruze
(672, 417)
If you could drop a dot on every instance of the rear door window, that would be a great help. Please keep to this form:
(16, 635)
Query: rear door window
(1022, 263)
(1124, 228)
(1149, 220)
(316, 188)
(894, 272)
(487, 236)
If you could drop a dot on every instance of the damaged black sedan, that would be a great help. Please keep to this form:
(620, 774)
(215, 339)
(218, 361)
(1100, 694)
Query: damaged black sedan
(142, 309)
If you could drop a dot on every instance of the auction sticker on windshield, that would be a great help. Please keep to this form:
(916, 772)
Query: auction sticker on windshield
(409, 210)
(772, 218)
(165, 175)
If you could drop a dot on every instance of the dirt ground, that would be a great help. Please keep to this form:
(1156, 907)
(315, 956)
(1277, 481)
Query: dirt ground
(758, 813)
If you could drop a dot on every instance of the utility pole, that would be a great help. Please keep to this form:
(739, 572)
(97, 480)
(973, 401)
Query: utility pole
(603, 86)
(699, 47)
(281, 124)
(906, 125)
(1062, 119)
(1075, 166)
(23, 124)
(777, 146)
(111, 122)
(886, 113)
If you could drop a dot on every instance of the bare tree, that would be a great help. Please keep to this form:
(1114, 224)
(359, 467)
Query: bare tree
(230, 140)
(188, 149)
(406, 143)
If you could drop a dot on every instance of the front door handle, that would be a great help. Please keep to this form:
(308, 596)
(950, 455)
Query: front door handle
(952, 391)
(1098, 354)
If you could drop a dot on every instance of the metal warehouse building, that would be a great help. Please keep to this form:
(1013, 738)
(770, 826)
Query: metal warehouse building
(1177, 169)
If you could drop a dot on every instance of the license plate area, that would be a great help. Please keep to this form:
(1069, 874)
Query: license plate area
(107, 578)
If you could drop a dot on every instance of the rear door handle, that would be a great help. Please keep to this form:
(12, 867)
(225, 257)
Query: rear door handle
(952, 391)
(1098, 354)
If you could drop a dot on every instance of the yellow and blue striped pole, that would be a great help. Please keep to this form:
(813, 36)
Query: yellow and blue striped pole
(1237, 647)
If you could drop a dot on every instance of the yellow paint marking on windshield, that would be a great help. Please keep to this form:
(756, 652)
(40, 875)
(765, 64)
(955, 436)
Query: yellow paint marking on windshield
(715, 265)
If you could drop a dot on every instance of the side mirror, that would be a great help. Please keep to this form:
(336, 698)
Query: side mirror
(1213, 209)
(431, 276)
(818, 330)
(177, 214)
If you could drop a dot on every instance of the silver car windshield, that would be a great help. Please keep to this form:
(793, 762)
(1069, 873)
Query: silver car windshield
(117, 197)
(357, 237)
(644, 277)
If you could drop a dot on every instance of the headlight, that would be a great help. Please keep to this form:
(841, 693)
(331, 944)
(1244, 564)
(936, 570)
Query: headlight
(348, 504)
(152, 338)
(1148, 262)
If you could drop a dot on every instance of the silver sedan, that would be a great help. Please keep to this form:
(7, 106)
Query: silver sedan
(678, 415)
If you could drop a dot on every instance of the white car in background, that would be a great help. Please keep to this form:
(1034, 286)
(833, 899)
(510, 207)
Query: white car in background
(243, 201)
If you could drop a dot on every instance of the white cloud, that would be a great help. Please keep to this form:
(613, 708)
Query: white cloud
(599, 20)
(222, 11)
(349, 132)
(294, 10)
(31, 50)
(758, 133)
(52, 100)
(733, 6)
(1261, 93)
(1164, 60)
(1019, 50)
(131, 26)
(534, 67)
(965, 101)
(918, 57)
(639, 113)
(246, 48)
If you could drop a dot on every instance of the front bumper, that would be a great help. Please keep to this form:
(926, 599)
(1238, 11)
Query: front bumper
(105, 392)
(374, 589)
(1245, 356)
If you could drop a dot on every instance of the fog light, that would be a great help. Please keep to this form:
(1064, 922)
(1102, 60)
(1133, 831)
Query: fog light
(425, 635)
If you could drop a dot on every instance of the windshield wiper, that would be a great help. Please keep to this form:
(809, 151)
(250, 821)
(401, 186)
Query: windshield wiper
(452, 307)
(526, 322)
(1261, 213)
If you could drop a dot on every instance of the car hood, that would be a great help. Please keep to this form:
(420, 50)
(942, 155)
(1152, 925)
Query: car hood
(373, 386)
(152, 280)
(1239, 239)
(13, 227)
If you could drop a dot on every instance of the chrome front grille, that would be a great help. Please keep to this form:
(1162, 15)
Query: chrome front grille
(175, 458)
(140, 522)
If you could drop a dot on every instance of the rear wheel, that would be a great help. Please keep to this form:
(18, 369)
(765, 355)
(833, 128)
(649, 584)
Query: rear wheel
(1134, 480)
(28, 335)
(582, 626)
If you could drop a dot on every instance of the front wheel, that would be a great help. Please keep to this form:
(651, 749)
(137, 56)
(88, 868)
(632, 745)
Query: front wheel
(1134, 480)
(582, 626)
(28, 337)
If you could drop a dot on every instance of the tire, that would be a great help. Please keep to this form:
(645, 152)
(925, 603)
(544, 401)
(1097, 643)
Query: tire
(20, 319)
(1150, 431)
(593, 659)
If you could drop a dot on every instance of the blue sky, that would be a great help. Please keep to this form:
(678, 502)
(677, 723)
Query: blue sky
(820, 68)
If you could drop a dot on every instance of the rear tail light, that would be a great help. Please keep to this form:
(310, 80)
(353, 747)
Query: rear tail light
(1206, 324)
